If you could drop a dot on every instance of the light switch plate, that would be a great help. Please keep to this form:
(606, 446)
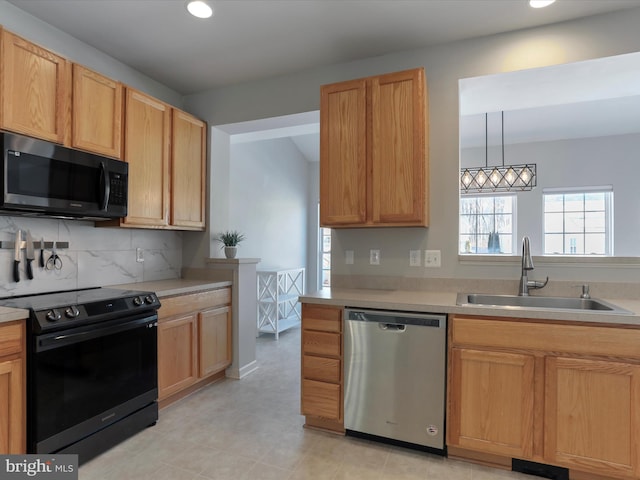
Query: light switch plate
(432, 259)
(374, 257)
(139, 255)
(414, 258)
(348, 257)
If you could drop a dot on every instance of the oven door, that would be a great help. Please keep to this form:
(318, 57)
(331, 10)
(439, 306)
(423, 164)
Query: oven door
(85, 379)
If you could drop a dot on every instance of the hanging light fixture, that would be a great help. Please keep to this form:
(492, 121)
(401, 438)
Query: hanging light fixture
(501, 178)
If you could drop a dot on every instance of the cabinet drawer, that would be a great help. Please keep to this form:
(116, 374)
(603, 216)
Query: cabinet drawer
(194, 302)
(321, 399)
(321, 343)
(580, 339)
(326, 319)
(11, 338)
(321, 368)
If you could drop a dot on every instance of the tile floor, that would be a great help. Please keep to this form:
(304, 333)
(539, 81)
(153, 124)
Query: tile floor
(251, 429)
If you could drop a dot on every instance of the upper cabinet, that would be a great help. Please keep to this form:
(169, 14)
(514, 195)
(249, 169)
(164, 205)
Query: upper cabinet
(35, 89)
(188, 191)
(96, 113)
(374, 152)
(146, 150)
(165, 149)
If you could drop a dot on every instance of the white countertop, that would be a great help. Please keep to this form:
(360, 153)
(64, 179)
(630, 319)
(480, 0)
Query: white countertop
(176, 286)
(445, 302)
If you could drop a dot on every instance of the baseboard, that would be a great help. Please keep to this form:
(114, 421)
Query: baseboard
(242, 371)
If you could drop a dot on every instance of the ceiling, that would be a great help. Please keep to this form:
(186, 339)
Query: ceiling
(252, 39)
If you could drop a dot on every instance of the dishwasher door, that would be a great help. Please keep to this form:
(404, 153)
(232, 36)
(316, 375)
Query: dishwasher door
(395, 375)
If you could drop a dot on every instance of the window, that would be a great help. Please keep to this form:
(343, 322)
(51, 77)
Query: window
(487, 224)
(578, 222)
(325, 234)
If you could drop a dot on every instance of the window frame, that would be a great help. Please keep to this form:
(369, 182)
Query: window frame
(513, 214)
(607, 190)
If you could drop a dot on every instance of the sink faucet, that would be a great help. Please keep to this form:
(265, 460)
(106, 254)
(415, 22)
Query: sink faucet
(527, 264)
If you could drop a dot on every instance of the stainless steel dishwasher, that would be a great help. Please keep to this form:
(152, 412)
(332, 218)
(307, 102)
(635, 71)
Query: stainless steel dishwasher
(395, 375)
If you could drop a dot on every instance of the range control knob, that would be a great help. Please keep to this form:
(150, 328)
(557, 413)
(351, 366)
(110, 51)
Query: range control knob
(71, 312)
(53, 315)
(137, 301)
(149, 299)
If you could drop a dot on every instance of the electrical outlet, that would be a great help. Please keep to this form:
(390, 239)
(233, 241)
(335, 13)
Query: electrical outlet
(414, 258)
(374, 257)
(432, 258)
(139, 255)
(348, 257)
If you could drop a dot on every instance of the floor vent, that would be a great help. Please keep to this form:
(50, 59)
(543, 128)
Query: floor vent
(539, 469)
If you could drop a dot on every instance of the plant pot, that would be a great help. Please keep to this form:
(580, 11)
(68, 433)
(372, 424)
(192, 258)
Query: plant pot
(230, 252)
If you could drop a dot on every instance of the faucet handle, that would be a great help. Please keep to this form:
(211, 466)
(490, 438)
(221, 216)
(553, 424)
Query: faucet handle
(585, 291)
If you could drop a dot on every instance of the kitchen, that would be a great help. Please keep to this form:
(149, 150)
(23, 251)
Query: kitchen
(577, 40)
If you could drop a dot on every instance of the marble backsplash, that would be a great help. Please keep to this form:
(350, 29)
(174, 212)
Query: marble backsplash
(97, 256)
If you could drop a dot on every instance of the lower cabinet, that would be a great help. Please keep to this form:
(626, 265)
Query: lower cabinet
(194, 341)
(322, 395)
(494, 392)
(12, 388)
(555, 393)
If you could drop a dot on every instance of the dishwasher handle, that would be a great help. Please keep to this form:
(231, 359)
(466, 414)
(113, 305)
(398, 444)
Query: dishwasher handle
(396, 318)
(392, 327)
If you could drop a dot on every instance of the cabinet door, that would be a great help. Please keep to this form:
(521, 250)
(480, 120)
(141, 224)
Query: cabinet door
(343, 153)
(177, 354)
(214, 340)
(188, 167)
(96, 113)
(399, 164)
(592, 421)
(35, 89)
(12, 419)
(491, 402)
(147, 131)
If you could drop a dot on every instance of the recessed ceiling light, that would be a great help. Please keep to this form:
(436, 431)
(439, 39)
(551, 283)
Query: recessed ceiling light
(540, 3)
(199, 8)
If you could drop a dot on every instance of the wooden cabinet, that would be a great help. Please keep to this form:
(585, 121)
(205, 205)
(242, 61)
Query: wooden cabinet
(146, 150)
(12, 388)
(194, 341)
(557, 393)
(96, 113)
(373, 151)
(188, 189)
(35, 89)
(494, 394)
(322, 357)
(165, 149)
(592, 420)
(214, 340)
(177, 354)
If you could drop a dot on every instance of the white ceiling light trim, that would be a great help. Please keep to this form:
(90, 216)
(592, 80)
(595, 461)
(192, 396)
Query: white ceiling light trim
(200, 9)
(540, 3)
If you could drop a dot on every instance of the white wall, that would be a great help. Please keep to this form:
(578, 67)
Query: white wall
(592, 37)
(268, 186)
(96, 256)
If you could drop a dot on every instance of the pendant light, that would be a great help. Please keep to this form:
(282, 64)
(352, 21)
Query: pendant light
(501, 178)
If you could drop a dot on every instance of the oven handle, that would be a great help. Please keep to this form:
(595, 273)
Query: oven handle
(61, 339)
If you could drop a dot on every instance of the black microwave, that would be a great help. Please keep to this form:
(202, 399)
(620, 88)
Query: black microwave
(43, 178)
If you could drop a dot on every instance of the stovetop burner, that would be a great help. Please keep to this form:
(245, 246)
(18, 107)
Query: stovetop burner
(52, 311)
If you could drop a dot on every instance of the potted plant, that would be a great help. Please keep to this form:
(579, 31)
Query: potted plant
(230, 240)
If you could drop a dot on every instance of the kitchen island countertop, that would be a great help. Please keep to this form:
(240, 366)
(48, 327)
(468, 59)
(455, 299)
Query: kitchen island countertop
(445, 302)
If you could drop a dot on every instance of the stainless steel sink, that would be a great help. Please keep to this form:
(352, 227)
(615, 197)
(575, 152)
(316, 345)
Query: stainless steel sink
(557, 303)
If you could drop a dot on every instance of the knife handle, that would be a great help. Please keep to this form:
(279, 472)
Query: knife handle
(16, 271)
(29, 270)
